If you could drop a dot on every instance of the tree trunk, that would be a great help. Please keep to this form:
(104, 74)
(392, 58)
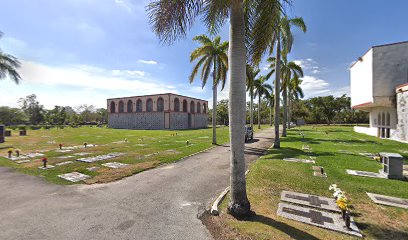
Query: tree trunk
(259, 111)
(285, 110)
(289, 109)
(239, 205)
(251, 111)
(277, 94)
(270, 114)
(214, 112)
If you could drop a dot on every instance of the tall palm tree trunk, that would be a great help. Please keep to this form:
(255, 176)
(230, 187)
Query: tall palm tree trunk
(289, 109)
(259, 111)
(251, 110)
(214, 112)
(285, 110)
(277, 95)
(239, 205)
(270, 114)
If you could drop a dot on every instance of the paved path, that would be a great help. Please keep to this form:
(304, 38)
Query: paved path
(162, 203)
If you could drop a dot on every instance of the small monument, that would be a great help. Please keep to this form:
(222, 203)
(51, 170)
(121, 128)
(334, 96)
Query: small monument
(392, 165)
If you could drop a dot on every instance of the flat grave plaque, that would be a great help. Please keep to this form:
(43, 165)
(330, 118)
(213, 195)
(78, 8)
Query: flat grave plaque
(13, 158)
(115, 165)
(22, 161)
(310, 200)
(319, 174)
(298, 160)
(64, 150)
(33, 155)
(74, 176)
(81, 154)
(64, 163)
(364, 174)
(389, 201)
(100, 157)
(49, 166)
(306, 147)
(328, 220)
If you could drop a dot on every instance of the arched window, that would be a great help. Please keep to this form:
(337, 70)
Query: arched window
(198, 107)
(139, 106)
(176, 105)
(130, 106)
(383, 119)
(149, 105)
(388, 119)
(184, 106)
(192, 107)
(121, 107)
(160, 105)
(204, 108)
(379, 118)
(112, 107)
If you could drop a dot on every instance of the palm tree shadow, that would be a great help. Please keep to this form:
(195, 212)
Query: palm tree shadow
(289, 230)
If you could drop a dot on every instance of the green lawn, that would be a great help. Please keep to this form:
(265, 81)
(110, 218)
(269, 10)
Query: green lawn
(269, 176)
(145, 149)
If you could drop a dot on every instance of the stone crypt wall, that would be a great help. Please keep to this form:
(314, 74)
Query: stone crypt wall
(402, 111)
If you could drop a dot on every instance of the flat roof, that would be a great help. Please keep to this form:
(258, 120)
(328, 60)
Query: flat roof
(376, 46)
(156, 95)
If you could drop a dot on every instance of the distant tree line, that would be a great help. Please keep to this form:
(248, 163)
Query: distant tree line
(31, 112)
(317, 110)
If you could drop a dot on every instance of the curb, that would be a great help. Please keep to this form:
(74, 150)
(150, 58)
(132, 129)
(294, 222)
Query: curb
(214, 209)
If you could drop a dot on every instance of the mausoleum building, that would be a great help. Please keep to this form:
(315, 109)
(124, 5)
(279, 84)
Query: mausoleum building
(159, 111)
(379, 85)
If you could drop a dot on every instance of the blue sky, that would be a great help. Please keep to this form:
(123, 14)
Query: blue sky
(85, 51)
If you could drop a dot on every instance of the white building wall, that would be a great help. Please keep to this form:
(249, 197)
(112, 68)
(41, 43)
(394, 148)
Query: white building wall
(361, 77)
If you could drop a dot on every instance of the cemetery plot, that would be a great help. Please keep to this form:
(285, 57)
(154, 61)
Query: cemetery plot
(100, 157)
(364, 174)
(114, 165)
(298, 160)
(389, 201)
(74, 176)
(49, 166)
(331, 221)
(64, 163)
(310, 200)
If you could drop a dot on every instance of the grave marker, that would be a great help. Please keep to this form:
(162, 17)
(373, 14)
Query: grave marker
(389, 201)
(64, 163)
(310, 200)
(115, 165)
(328, 220)
(298, 160)
(2, 133)
(364, 174)
(74, 176)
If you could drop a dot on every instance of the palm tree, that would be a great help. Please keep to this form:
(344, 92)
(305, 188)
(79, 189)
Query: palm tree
(8, 65)
(270, 98)
(289, 70)
(251, 74)
(261, 89)
(212, 54)
(171, 19)
(295, 92)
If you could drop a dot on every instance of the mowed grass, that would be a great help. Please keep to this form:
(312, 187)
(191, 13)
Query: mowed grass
(143, 150)
(270, 175)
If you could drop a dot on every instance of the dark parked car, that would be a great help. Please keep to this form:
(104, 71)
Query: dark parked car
(249, 134)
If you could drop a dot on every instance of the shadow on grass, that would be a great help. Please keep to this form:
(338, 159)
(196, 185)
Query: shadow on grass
(288, 152)
(379, 232)
(289, 230)
(334, 141)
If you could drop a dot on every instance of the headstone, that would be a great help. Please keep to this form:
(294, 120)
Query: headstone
(64, 163)
(23, 133)
(2, 133)
(49, 166)
(306, 147)
(298, 160)
(328, 220)
(389, 201)
(100, 157)
(318, 171)
(81, 154)
(392, 165)
(13, 158)
(7, 133)
(74, 176)
(310, 200)
(364, 174)
(63, 150)
(115, 165)
(33, 155)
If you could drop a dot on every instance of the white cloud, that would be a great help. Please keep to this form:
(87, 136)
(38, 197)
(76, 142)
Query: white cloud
(151, 62)
(313, 86)
(124, 4)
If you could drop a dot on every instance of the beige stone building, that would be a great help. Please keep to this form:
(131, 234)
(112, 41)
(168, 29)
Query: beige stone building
(159, 111)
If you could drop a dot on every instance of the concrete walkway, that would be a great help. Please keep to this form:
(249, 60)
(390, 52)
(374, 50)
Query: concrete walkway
(162, 203)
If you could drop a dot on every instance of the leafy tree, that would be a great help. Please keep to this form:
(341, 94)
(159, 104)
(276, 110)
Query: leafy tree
(86, 112)
(32, 108)
(8, 66)
(211, 55)
(172, 18)
(102, 115)
(222, 112)
(56, 116)
(12, 116)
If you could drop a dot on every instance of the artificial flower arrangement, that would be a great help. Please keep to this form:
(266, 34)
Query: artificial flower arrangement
(9, 151)
(377, 158)
(342, 202)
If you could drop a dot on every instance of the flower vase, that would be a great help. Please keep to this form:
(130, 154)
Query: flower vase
(343, 214)
(347, 219)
